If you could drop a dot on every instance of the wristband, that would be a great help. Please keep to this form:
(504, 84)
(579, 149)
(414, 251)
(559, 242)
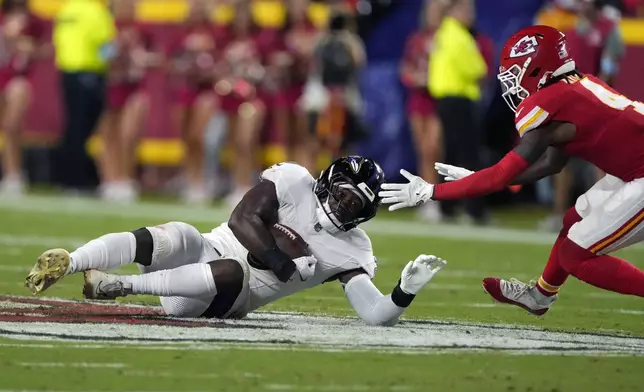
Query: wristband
(279, 262)
(400, 298)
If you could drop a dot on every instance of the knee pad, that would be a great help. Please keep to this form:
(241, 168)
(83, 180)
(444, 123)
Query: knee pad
(177, 237)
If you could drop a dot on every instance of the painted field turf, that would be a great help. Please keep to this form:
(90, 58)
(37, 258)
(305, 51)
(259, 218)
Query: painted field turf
(591, 339)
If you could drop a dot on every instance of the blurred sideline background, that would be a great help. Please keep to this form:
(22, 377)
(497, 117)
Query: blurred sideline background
(198, 96)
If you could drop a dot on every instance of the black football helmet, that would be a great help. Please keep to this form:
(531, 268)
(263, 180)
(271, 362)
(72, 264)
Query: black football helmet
(348, 189)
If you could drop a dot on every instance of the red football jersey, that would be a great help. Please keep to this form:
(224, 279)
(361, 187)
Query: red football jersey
(610, 127)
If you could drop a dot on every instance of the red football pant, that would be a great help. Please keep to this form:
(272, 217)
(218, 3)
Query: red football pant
(603, 271)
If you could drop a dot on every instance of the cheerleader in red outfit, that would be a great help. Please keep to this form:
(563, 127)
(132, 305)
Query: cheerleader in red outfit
(241, 99)
(127, 104)
(301, 38)
(421, 108)
(21, 42)
(193, 66)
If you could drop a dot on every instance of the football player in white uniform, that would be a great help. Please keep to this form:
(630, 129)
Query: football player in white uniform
(212, 275)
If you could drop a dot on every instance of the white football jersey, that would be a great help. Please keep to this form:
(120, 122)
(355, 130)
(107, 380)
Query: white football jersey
(336, 253)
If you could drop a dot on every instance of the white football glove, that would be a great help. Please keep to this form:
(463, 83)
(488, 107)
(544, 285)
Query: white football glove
(416, 192)
(451, 173)
(419, 272)
(305, 266)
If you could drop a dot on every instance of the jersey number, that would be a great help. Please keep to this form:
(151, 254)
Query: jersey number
(611, 99)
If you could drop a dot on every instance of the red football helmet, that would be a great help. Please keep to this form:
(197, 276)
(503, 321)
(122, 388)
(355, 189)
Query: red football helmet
(530, 58)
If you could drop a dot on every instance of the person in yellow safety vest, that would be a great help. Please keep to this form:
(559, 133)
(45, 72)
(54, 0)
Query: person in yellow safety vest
(456, 68)
(83, 35)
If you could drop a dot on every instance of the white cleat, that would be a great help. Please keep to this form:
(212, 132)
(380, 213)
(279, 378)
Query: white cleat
(99, 285)
(517, 293)
(50, 268)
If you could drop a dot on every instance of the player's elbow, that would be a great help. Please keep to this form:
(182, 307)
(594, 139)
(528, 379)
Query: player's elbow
(373, 320)
(235, 222)
(239, 220)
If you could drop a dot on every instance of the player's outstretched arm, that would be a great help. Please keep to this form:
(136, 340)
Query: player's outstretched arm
(532, 146)
(552, 162)
(373, 307)
(249, 222)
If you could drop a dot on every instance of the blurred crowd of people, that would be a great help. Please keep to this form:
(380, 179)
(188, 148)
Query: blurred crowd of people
(298, 81)
(445, 78)
(235, 81)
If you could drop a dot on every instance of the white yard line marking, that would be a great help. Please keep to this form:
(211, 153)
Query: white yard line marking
(40, 241)
(14, 268)
(93, 390)
(167, 212)
(154, 374)
(333, 387)
(305, 348)
(108, 365)
(48, 205)
(630, 311)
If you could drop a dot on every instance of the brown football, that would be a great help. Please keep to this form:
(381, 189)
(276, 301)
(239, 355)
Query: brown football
(288, 241)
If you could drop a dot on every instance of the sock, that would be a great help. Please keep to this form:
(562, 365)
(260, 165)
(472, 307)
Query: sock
(606, 272)
(192, 280)
(553, 275)
(105, 253)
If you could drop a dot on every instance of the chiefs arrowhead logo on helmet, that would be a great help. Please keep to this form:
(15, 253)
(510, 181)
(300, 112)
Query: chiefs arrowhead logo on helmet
(530, 59)
(524, 47)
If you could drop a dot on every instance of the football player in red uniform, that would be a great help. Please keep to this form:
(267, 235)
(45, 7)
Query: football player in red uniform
(559, 113)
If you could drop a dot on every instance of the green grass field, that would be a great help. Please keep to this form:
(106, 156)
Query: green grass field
(41, 361)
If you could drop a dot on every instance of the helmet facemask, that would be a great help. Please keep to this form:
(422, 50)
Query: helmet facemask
(512, 91)
(342, 205)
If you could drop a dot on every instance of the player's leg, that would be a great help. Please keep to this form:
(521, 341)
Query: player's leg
(211, 289)
(160, 247)
(616, 224)
(554, 275)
